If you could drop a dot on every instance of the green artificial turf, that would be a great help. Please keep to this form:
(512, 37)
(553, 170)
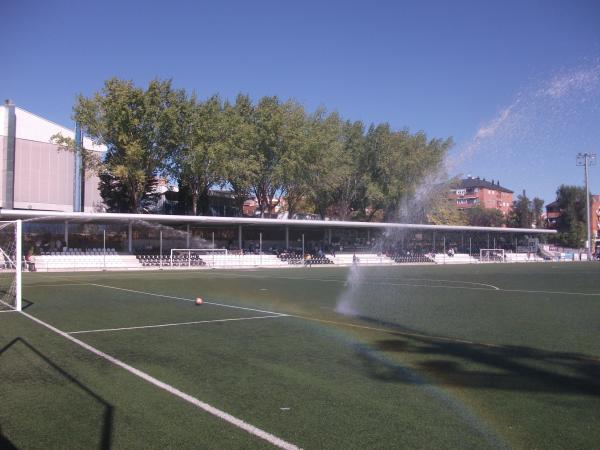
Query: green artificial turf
(479, 356)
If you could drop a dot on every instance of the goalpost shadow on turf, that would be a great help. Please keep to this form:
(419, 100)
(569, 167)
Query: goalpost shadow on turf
(108, 415)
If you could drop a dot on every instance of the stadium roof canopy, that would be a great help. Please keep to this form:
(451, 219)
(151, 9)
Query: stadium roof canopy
(103, 218)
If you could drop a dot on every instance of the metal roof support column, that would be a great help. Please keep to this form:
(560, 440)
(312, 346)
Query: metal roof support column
(240, 237)
(7, 163)
(187, 236)
(78, 178)
(329, 236)
(66, 233)
(130, 236)
(287, 237)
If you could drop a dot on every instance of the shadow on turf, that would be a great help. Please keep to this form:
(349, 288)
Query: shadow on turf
(503, 367)
(5, 443)
(107, 422)
(25, 304)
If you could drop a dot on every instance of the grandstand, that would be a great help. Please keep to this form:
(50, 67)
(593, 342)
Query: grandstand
(101, 241)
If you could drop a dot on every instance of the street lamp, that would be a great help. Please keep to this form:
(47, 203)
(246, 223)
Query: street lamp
(586, 160)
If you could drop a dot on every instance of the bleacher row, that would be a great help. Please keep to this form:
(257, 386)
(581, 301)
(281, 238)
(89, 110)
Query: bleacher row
(403, 259)
(93, 259)
(165, 260)
(83, 261)
(81, 252)
(298, 259)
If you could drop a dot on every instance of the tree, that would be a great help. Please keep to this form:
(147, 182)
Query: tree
(240, 167)
(538, 210)
(396, 163)
(526, 213)
(267, 184)
(440, 209)
(571, 224)
(484, 217)
(138, 128)
(301, 150)
(117, 197)
(198, 162)
(521, 215)
(337, 176)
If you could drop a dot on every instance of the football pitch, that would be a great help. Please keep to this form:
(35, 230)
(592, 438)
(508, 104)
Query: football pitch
(477, 356)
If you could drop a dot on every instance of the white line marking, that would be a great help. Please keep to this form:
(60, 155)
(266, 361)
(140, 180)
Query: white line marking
(175, 324)
(278, 442)
(186, 299)
(56, 285)
(525, 291)
(7, 305)
(455, 281)
(329, 280)
(9, 310)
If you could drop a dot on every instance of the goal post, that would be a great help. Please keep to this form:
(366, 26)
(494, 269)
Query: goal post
(492, 255)
(192, 257)
(11, 265)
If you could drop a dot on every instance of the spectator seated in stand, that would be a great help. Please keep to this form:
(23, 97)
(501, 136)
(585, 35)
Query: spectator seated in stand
(30, 261)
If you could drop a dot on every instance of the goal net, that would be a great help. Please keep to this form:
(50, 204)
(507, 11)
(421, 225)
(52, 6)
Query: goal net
(491, 255)
(10, 265)
(195, 257)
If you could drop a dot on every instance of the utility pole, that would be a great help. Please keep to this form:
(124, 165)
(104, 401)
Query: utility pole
(586, 160)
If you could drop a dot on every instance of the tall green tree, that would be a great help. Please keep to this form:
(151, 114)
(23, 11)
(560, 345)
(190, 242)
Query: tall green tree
(240, 165)
(485, 217)
(337, 176)
(521, 215)
(439, 209)
(538, 212)
(269, 123)
(198, 162)
(138, 128)
(396, 164)
(306, 142)
(571, 223)
(526, 212)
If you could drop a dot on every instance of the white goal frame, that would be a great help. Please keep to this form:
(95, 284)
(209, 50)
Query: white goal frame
(492, 255)
(17, 263)
(210, 252)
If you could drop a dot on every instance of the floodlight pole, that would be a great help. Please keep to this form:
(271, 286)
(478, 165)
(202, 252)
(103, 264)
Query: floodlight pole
(586, 160)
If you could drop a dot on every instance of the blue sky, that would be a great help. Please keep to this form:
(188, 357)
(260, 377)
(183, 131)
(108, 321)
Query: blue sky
(515, 83)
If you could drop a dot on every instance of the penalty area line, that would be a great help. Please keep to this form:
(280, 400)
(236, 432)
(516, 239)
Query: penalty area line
(141, 327)
(186, 299)
(239, 423)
